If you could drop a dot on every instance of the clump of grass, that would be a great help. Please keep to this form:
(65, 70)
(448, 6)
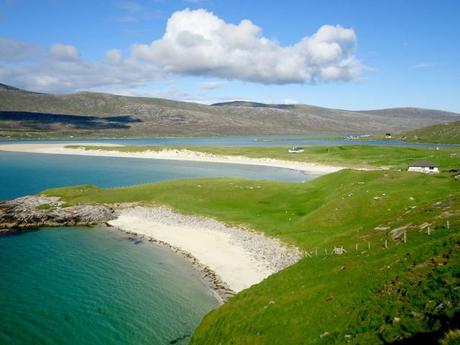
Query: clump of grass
(43, 207)
(451, 338)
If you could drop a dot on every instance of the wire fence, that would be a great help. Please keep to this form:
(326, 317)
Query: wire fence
(382, 243)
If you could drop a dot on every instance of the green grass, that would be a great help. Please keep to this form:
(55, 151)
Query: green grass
(396, 157)
(446, 133)
(367, 296)
(44, 207)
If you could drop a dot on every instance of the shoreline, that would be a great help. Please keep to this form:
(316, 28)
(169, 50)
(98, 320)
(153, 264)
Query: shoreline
(229, 259)
(170, 154)
(218, 288)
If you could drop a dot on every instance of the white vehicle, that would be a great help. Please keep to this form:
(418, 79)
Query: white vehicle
(296, 150)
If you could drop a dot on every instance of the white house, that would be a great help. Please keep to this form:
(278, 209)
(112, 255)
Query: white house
(388, 136)
(424, 167)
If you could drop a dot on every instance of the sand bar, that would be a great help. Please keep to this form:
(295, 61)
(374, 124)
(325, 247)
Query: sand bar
(169, 154)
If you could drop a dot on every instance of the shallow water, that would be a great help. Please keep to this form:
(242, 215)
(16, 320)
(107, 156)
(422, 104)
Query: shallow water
(95, 286)
(25, 173)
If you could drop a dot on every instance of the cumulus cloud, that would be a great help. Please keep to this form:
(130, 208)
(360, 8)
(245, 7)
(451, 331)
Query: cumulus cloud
(64, 52)
(15, 51)
(113, 55)
(60, 69)
(195, 42)
(199, 43)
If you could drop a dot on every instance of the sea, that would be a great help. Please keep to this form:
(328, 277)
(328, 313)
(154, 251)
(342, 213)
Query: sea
(89, 286)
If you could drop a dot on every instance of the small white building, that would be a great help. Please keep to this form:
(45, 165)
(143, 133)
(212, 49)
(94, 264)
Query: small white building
(388, 136)
(424, 167)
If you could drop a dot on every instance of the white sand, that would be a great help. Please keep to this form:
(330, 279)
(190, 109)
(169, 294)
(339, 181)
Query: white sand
(239, 258)
(169, 154)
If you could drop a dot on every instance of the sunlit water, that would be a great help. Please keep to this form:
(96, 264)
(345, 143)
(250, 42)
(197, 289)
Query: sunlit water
(98, 286)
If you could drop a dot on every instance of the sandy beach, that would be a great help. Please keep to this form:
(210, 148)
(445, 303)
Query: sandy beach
(169, 154)
(239, 258)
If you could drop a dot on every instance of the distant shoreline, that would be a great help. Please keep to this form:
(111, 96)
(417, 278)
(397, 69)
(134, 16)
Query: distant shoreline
(170, 154)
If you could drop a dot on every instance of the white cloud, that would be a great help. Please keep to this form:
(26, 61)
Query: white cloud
(61, 69)
(199, 43)
(113, 55)
(64, 52)
(15, 51)
(195, 43)
(210, 85)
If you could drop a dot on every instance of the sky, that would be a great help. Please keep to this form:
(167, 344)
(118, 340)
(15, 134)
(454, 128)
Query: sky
(348, 54)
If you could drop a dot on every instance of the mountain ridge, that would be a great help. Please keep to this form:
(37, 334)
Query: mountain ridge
(158, 116)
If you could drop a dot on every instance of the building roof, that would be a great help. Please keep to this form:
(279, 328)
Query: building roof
(423, 164)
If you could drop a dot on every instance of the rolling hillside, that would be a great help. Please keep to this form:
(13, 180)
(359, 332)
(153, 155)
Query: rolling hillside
(444, 133)
(153, 116)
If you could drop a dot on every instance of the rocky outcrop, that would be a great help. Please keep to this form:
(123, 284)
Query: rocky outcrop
(39, 210)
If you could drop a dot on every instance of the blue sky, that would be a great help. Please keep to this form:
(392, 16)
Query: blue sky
(390, 53)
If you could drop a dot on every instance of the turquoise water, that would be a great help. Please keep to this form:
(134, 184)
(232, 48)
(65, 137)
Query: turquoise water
(79, 286)
(24, 173)
(262, 140)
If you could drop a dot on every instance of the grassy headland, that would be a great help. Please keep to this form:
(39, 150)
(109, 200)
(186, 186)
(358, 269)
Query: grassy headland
(369, 295)
(397, 157)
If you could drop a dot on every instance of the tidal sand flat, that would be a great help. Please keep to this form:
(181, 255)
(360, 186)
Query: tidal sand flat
(169, 154)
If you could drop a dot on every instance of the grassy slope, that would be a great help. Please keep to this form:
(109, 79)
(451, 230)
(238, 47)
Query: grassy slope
(349, 156)
(366, 296)
(448, 133)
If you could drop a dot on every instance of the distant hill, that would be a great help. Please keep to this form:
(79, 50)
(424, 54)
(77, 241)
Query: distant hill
(412, 112)
(253, 105)
(4, 87)
(444, 133)
(156, 116)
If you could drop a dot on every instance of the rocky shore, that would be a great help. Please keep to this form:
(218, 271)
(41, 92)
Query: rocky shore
(35, 211)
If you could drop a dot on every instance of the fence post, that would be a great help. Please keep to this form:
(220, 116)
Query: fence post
(405, 237)
(368, 245)
(448, 225)
(386, 244)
